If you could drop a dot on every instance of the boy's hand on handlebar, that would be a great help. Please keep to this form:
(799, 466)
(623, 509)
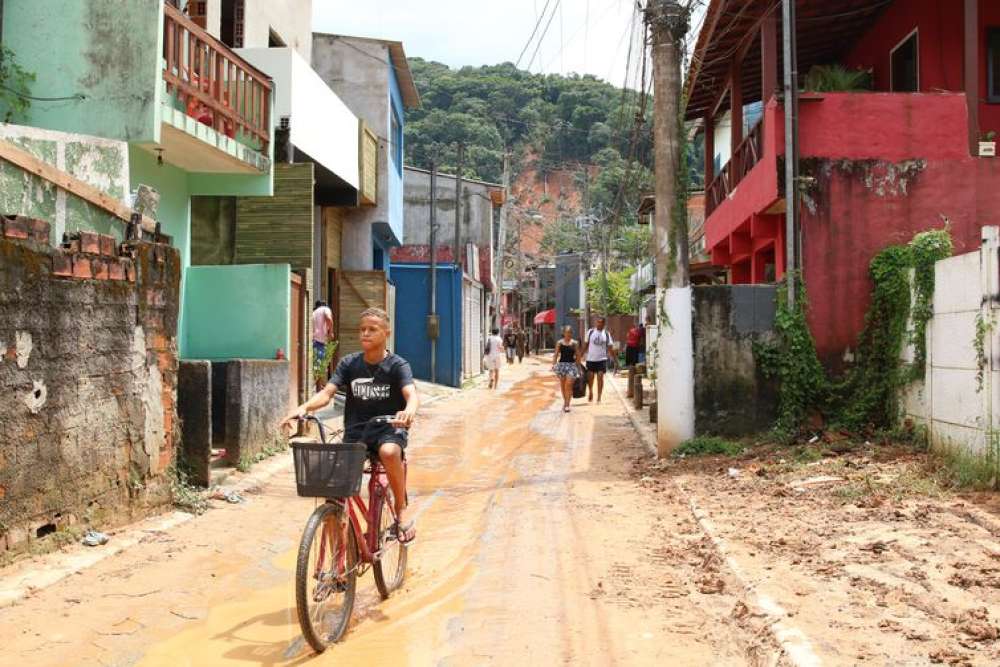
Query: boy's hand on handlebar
(288, 424)
(402, 419)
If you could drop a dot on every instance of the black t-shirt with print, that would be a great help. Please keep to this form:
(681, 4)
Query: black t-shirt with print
(372, 389)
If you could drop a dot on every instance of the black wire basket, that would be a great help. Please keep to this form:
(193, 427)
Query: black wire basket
(328, 470)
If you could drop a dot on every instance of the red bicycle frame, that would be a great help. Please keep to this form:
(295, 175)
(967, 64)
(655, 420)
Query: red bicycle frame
(367, 540)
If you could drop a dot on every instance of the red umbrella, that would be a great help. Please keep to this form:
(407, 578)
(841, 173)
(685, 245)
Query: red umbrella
(546, 317)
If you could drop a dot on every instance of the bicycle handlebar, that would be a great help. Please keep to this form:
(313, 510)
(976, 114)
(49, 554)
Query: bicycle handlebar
(380, 419)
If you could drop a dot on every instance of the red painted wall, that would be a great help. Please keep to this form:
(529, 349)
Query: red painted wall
(941, 39)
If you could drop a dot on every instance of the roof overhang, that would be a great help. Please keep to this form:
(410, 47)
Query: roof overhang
(399, 63)
(731, 30)
(384, 234)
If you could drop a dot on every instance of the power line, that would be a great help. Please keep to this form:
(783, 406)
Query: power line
(544, 32)
(532, 37)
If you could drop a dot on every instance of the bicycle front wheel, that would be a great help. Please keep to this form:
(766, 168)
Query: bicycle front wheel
(326, 576)
(390, 568)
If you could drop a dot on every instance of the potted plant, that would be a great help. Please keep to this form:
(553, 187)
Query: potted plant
(988, 144)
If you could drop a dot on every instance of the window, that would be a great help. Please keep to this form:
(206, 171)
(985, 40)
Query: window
(396, 139)
(993, 65)
(231, 32)
(905, 65)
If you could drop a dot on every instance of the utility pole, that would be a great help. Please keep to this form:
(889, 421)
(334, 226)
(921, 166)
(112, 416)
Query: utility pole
(668, 24)
(791, 104)
(433, 326)
(458, 204)
(502, 238)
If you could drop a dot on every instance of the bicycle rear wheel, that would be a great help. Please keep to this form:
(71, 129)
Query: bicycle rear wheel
(390, 568)
(326, 576)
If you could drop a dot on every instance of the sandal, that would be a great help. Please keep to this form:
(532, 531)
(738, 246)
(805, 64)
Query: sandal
(400, 532)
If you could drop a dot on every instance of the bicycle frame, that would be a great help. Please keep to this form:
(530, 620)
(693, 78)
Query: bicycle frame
(367, 539)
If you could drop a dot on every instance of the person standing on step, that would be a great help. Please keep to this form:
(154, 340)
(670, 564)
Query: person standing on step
(322, 324)
(596, 346)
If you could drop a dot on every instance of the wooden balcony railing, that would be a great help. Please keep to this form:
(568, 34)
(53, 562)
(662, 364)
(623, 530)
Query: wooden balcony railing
(214, 85)
(747, 155)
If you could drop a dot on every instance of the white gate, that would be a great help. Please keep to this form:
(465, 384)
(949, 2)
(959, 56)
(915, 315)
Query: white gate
(472, 327)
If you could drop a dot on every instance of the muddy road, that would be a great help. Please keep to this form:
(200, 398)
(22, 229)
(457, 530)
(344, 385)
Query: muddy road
(535, 543)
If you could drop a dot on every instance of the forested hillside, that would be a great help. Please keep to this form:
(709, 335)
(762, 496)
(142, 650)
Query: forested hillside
(550, 122)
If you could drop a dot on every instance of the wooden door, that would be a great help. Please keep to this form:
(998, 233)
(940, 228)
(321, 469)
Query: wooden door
(358, 290)
(297, 329)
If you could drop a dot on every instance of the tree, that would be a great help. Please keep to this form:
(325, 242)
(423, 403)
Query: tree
(620, 299)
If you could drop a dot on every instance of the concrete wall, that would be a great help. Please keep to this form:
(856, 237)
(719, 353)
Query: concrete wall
(358, 72)
(255, 398)
(477, 209)
(105, 54)
(731, 395)
(290, 19)
(88, 369)
(237, 312)
(570, 292)
(194, 407)
(102, 163)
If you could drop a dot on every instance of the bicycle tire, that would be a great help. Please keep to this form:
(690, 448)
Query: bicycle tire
(385, 519)
(316, 637)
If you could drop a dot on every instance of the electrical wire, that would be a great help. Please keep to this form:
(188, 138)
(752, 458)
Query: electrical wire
(532, 37)
(544, 32)
(24, 96)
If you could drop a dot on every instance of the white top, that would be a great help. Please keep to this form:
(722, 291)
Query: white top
(322, 317)
(494, 345)
(598, 343)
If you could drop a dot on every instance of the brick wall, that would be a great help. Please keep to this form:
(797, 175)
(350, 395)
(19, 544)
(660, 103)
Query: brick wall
(88, 371)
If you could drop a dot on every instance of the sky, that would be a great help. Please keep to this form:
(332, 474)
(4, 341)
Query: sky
(584, 36)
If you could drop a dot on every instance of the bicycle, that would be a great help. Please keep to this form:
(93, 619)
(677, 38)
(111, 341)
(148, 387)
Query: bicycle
(334, 549)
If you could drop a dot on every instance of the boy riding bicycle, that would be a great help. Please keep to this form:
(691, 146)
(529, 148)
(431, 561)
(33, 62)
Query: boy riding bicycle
(376, 382)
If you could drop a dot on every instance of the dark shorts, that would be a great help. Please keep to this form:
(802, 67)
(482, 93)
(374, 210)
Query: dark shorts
(377, 435)
(319, 349)
(631, 356)
(597, 366)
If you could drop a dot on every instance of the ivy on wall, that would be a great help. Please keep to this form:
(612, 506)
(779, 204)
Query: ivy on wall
(868, 394)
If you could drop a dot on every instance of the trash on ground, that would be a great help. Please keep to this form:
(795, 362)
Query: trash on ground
(93, 538)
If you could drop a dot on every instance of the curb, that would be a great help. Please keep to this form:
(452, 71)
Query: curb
(647, 440)
(790, 639)
(56, 566)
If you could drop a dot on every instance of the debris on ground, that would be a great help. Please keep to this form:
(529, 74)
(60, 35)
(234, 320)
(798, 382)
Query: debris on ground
(93, 538)
(230, 496)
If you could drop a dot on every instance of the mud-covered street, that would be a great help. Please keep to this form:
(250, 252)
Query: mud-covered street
(535, 541)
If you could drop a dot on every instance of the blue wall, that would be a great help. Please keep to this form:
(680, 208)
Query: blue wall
(412, 306)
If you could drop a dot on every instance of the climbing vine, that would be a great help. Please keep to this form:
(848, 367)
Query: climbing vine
(678, 214)
(792, 361)
(868, 395)
(984, 326)
(14, 86)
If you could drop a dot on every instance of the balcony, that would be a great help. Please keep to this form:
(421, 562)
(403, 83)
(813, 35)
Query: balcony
(319, 126)
(216, 111)
(745, 201)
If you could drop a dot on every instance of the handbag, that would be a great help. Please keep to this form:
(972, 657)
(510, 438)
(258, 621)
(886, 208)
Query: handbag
(580, 383)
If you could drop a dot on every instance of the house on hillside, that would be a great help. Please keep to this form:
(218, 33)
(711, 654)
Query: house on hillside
(373, 79)
(876, 166)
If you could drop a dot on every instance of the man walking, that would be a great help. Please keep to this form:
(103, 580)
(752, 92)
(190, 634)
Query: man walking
(520, 340)
(322, 321)
(596, 347)
(509, 345)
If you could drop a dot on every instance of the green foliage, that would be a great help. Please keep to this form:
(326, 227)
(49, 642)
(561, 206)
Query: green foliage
(868, 396)
(984, 326)
(14, 86)
(559, 120)
(708, 445)
(792, 361)
(620, 299)
(837, 79)
(320, 364)
(927, 248)
(186, 496)
(563, 236)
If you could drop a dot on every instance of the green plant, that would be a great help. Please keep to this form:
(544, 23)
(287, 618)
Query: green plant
(984, 326)
(321, 363)
(186, 495)
(708, 445)
(611, 292)
(791, 360)
(927, 248)
(837, 79)
(988, 135)
(14, 85)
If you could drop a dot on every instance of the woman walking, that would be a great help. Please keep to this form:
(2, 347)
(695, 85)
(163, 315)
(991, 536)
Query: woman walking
(566, 364)
(491, 360)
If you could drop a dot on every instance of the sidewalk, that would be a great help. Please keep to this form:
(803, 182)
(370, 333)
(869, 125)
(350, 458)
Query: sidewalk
(30, 575)
(639, 418)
